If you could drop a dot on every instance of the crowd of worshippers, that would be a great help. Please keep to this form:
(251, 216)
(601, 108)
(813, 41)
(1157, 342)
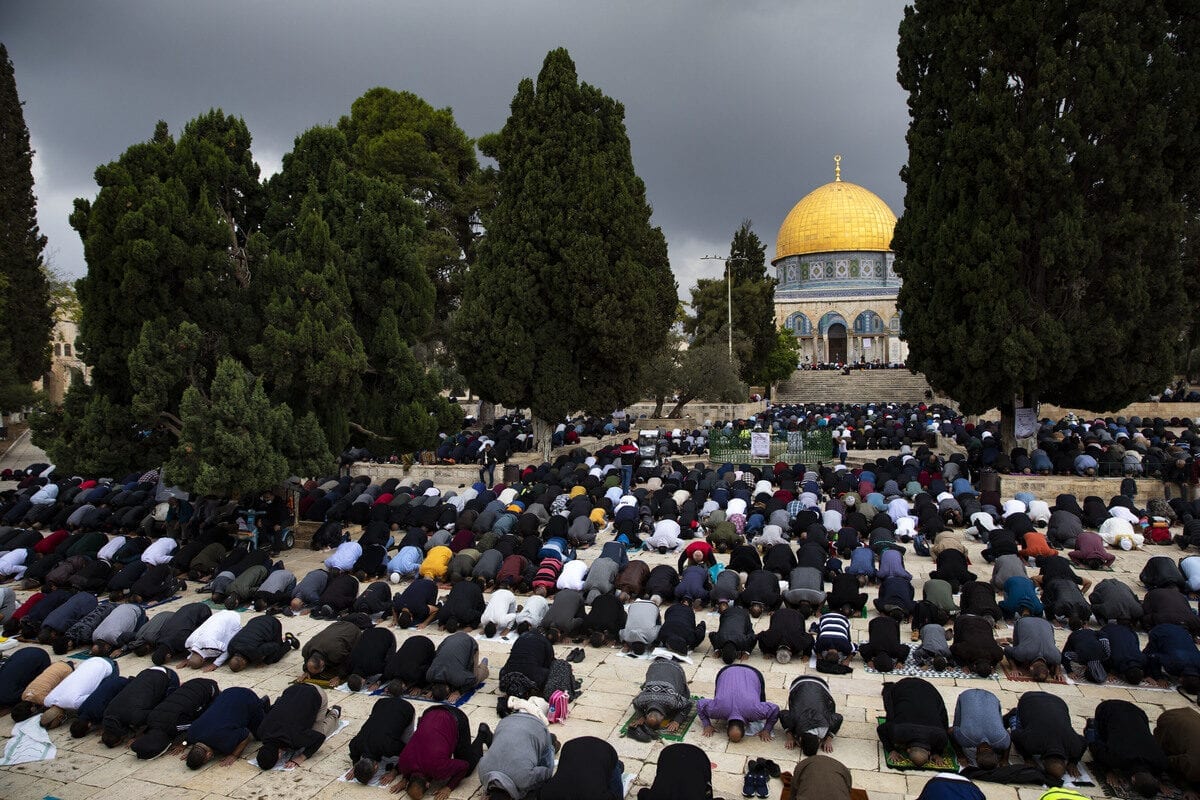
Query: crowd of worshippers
(796, 544)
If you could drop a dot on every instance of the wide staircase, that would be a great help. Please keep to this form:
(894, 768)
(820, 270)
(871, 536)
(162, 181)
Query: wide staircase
(860, 386)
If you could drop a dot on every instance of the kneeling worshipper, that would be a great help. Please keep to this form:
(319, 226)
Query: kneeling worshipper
(734, 637)
(1169, 605)
(1177, 732)
(208, 645)
(740, 699)
(298, 723)
(975, 646)
(260, 641)
(916, 724)
(18, 671)
(588, 769)
(524, 673)
(439, 754)
(785, 636)
(664, 699)
(368, 658)
(129, 709)
(820, 777)
(1121, 741)
(173, 714)
(1113, 600)
(456, 667)
(381, 737)
(811, 718)
(329, 648)
(75, 688)
(1033, 648)
(683, 772)
(226, 727)
(979, 729)
(1172, 650)
(1042, 732)
(521, 756)
(883, 649)
(952, 786)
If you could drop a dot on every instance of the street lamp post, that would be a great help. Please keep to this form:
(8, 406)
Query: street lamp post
(728, 294)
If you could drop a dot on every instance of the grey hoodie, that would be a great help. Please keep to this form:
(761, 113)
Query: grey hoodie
(520, 758)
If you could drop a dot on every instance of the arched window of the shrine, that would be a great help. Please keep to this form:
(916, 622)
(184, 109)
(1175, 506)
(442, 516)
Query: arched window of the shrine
(868, 322)
(799, 325)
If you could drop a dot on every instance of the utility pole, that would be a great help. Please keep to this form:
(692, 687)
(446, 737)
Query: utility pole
(728, 293)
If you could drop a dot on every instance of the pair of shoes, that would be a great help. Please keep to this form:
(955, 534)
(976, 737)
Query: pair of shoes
(758, 773)
(575, 656)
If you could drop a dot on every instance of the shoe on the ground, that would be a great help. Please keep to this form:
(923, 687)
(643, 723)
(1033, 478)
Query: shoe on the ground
(639, 733)
(750, 784)
(760, 786)
(768, 767)
(337, 711)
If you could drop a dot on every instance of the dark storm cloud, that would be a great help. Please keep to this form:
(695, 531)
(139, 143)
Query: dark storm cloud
(734, 109)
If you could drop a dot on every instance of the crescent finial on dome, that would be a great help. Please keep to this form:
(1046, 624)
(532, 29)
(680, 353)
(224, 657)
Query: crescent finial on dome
(837, 168)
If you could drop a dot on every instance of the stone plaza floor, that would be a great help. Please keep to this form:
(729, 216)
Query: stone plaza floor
(87, 769)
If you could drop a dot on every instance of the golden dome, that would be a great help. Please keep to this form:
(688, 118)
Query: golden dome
(836, 217)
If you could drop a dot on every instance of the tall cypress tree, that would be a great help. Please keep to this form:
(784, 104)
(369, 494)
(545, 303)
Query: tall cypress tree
(572, 285)
(28, 316)
(1050, 232)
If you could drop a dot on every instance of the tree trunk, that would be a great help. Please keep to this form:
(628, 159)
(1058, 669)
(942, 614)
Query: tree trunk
(1008, 426)
(658, 404)
(1008, 422)
(542, 431)
(487, 413)
(677, 411)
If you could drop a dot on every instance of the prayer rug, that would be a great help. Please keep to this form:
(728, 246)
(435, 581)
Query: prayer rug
(949, 758)
(911, 670)
(425, 698)
(380, 771)
(29, 742)
(662, 734)
(158, 603)
(1115, 785)
(658, 652)
(221, 606)
(1016, 673)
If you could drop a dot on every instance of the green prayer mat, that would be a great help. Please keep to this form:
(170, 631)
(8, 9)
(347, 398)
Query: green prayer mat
(662, 734)
(903, 762)
(221, 606)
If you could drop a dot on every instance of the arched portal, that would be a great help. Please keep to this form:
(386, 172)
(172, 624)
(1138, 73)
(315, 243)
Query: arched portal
(837, 342)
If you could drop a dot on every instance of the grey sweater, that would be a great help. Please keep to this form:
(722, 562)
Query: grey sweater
(520, 758)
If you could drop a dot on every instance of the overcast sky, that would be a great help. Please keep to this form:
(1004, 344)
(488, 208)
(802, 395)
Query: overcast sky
(734, 109)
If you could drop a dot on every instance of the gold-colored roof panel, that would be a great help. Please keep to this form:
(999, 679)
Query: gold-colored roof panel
(838, 216)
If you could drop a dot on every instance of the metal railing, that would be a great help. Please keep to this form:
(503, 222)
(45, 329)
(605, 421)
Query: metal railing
(790, 447)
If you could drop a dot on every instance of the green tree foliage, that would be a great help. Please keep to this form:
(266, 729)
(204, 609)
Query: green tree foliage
(378, 230)
(15, 392)
(753, 305)
(25, 293)
(168, 236)
(309, 351)
(782, 360)
(1049, 239)
(704, 372)
(233, 441)
(572, 286)
(401, 139)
